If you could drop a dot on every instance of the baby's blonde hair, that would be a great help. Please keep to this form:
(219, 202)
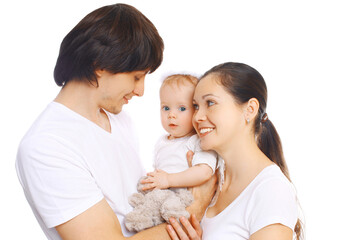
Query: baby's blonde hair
(180, 79)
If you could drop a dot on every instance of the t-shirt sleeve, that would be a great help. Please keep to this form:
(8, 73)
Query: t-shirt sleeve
(56, 179)
(273, 202)
(200, 156)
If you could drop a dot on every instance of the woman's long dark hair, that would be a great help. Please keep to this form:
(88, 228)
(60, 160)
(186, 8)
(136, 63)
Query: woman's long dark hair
(243, 83)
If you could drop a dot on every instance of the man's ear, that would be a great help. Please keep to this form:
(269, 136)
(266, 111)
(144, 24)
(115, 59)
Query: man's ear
(99, 72)
(251, 109)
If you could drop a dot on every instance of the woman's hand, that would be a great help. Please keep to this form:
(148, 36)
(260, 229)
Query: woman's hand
(191, 231)
(157, 179)
(202, 194)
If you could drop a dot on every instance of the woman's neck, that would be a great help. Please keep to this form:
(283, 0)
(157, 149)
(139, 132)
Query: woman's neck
(243, 159)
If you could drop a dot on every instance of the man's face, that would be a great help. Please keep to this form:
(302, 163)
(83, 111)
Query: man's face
(115, 90)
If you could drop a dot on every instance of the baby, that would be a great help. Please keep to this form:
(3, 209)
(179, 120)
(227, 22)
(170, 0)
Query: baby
(172, 170)
(155, 203)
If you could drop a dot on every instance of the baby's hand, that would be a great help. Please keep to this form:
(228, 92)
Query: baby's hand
(157, 179)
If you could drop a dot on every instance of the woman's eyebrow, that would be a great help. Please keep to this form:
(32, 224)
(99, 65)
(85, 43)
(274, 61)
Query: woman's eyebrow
(209, 95)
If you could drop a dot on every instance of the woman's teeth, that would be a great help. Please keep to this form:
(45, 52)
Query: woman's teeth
(205, 130)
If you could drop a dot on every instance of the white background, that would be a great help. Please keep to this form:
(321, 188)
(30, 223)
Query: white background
(293, 44)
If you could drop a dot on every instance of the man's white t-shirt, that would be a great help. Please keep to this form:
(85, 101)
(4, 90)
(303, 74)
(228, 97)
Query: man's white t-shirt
(170, 154)
(66, 164)
(269, 199)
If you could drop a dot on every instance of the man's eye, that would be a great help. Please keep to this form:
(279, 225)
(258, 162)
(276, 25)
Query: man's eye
(195, 106)
(182, 109)
(165, 108)
(210, 103)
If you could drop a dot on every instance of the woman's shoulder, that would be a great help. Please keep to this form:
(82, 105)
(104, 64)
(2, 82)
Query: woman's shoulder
(272, 190)
(273, 200)
(272, 180)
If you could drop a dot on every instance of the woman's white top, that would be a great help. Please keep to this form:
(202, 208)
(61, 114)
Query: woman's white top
(269, 199)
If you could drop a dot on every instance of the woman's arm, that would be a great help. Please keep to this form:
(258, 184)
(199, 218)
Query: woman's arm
(193, 176)
(274, 231)
(193, 231)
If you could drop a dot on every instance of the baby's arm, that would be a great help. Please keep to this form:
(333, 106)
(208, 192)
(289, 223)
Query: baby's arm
(193, 176)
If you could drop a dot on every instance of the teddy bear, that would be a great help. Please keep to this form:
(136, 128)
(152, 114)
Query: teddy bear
(153, 207)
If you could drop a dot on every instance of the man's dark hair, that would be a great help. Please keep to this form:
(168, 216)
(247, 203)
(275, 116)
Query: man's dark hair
(116, 38)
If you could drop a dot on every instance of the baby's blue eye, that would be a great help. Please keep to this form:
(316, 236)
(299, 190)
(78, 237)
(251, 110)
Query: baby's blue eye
(210, 103)
(166, 108)
(196, 107)
(182, 109)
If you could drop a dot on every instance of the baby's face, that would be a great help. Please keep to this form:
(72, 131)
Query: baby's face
(177, 109)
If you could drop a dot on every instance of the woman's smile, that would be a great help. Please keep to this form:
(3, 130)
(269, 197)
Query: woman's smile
(205, 131)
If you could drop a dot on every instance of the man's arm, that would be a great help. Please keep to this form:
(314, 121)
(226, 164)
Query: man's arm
(100, 222)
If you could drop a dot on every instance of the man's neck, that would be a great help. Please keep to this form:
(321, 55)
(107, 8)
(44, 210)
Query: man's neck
(81, 98)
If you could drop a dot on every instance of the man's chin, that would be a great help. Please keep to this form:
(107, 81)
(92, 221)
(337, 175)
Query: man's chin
(114, 110)
(117, 111)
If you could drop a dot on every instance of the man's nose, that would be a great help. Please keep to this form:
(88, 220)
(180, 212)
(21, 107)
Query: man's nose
(139, 87)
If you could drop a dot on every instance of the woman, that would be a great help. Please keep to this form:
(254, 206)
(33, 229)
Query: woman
(257, 200)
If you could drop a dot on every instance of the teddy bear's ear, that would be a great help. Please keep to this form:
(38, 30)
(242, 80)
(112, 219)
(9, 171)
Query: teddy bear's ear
(136, 199)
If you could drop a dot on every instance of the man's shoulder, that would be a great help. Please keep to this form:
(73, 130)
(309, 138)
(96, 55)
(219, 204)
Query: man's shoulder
(54, 123)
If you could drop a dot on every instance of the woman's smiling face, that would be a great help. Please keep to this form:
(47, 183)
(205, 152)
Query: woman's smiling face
(218, 119)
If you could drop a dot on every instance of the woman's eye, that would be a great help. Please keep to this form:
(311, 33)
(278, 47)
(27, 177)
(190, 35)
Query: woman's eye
(182, 109)
(165, 108)
(195, 106)
(210, 103)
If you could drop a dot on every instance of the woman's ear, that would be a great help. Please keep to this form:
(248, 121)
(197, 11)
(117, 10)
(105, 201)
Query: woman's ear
(251, 109)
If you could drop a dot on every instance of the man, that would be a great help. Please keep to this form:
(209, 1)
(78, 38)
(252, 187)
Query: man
(79, 161)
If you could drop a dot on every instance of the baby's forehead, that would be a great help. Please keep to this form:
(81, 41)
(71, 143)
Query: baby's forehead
(180, 81)
(178, 85)
(173, 93)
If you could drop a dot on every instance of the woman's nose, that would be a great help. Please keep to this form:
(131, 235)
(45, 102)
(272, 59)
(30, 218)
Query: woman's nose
(199, 116)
